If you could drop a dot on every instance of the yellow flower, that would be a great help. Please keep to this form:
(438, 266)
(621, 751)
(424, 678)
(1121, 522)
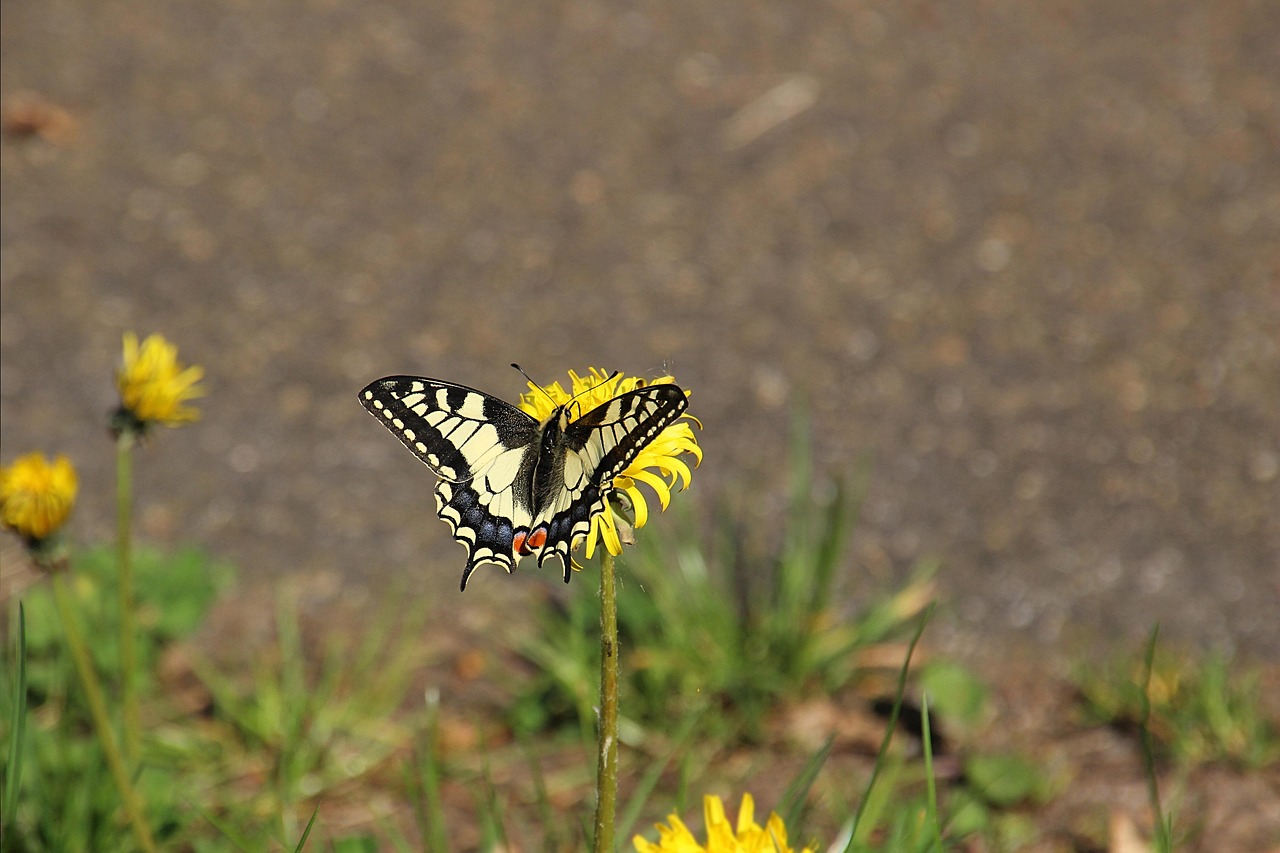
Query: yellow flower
(662, 455)
(36, 497)
(750, 837)
(154, 385)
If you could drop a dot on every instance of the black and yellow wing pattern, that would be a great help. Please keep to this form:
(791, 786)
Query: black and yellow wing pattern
(511, 486)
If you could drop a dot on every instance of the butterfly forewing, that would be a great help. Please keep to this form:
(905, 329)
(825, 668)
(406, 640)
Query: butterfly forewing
(624, 426)
(510, 486)
(457, 431)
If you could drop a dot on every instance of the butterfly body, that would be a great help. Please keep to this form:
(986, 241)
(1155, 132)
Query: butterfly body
(510, 485)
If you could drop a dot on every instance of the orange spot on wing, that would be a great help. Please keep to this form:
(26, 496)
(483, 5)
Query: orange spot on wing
(520, 541)
(537, 538)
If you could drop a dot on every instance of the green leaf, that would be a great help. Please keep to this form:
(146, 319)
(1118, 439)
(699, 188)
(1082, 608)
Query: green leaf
(1003, 780)
(954, 692)
(356, 844)
(966, 814)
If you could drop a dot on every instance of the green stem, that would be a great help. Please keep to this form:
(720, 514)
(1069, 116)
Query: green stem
(130, 725)
(98, 710)
(607, 766)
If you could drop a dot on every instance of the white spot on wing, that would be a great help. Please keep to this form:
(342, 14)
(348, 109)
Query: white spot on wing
(573, 470)
(482, 438)
(459, 431)
(472, 407)
(502, 472)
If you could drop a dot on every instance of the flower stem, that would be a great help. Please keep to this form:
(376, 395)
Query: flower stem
(607, 767)
(130, 724)
(98, 710)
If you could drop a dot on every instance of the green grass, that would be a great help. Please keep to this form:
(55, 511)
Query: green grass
(1185, 711)
(65, 799)
(315, 732)
(321, 717)
(1198, 708)
(277, 740)
(246, 773)
(315, 716)
(180, 589)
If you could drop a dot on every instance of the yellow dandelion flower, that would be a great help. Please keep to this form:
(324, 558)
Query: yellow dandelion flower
(36, 496)
(722, 837)
(154, 386)
(658, 465)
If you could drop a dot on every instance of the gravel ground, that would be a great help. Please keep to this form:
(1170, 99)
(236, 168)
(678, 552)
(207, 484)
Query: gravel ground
(1023, 255)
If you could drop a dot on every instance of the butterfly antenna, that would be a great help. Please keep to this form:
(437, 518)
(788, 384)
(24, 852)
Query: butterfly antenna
(541, 390)
(610, 378)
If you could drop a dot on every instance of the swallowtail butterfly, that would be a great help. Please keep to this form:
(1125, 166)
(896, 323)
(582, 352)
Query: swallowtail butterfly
(510, 486)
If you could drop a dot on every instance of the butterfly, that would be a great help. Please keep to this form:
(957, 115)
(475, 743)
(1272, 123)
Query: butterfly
(511, 486)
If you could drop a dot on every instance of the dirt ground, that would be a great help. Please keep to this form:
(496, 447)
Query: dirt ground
(1024, 258)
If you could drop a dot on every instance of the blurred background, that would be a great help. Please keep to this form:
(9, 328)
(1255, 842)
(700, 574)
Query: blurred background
(1023, 257)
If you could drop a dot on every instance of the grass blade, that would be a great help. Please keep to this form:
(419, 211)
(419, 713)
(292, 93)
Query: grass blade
(302, 842)
(840, 518)
(792, 806)
(931, 784)
(17, 729)
(636, 803)
(883, 752)
(429, 807)
(493, 830)
(237, 840)
(1163, 840)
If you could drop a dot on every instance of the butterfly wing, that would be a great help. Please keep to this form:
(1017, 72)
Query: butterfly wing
(597, 448)
(483, 450)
